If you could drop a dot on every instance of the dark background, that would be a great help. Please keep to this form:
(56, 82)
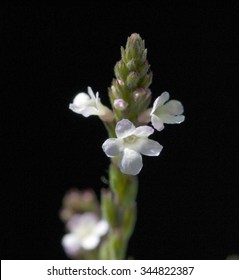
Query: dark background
(188, 198)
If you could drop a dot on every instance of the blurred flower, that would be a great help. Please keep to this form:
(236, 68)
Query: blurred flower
(76, 202)
(130, 143)
(89, 105)
(85, 233)
(162, 112)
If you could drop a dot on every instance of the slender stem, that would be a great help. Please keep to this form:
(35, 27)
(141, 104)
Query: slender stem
(124, 189)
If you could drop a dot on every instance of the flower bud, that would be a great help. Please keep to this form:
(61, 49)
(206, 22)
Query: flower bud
(120, 104)
(131, 65)
(120, 70)
(141, 94)
(134, 46)
(132, 79)
(147, 80)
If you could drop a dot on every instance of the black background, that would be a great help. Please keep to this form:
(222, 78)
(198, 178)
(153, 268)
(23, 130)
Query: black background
(188, 196)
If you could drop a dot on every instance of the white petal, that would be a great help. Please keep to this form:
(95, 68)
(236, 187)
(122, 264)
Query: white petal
(81, 99)
(90, 242)
(91, 93)
(112, 147)
(143, 131)
(71, 244)
(102, 228)
(160, 101)
(151, 148)
(157, 123)
(124, 128)
(74, 222)
(174, 107)
(79, 221)
(131, 162)
(88, 111)
(88, 218)
(170, 119)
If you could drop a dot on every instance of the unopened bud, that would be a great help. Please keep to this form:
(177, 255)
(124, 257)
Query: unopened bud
(131, 65)
(141, 94)
(132, 80)
(120, 104)
(134, 46)
(120, 70)
(146, 82)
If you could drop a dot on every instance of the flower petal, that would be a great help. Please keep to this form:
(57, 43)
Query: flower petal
(91, 93)
(80, 221)
(157, 123)
(174, 107)
(170, 119)
(131, 162)
(112, 147)
(151, 148)
(159, 101)
(124, 128)
(143, 131)
(90, 242)
(80, 99)
(71, 244)
(102, 228)
(86, 111)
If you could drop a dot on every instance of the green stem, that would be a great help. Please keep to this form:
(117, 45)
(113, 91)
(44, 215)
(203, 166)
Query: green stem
(119, 208)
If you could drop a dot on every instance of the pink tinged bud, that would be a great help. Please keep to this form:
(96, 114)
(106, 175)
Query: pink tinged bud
(120, 82)
(120, 104)
(141, 94)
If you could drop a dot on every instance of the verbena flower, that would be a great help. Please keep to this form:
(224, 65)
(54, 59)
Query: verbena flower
(162, 112)
(85, 233)
(90, 104)
(130, 143)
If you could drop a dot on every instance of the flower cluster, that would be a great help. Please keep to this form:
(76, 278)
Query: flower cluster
(131, 141)
(85, 233)
(103, 231)
(85, 227)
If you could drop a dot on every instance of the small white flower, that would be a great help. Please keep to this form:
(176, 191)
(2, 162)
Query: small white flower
(90, 104)
(85, 233)
(162, 112)
(130, 143)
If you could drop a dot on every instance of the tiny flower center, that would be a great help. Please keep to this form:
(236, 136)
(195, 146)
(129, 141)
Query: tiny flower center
(130, 139)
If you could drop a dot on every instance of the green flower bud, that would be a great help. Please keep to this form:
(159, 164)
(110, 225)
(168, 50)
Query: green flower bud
(131, 65)
(147, 80)
(132, 80)
(134, 46)
(121, 70)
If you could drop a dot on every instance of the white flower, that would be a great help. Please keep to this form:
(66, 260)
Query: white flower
(85, 232)
(90, 104)
(162, 112)
(130, 143)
